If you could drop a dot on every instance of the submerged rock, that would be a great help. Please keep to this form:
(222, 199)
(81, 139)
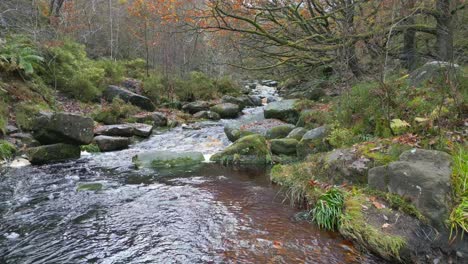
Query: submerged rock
(226, 110)
(285, 110)
(423, 177)
(107, 143)
(143, 102)
(313, 142)
(67, 128)
(167, 159)
(125, 130)
(53, 153)
(251, 149)
(284, 146)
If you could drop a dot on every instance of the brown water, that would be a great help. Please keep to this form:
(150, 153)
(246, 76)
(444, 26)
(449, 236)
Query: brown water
(208, 214)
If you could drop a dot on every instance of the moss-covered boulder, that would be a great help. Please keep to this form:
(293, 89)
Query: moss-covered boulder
(53, 153)
(125, 130)
(286, 110)
(314, 141)
(227, 110)
(167, 159)
(297, 133)
(279, 131)
(251, 149)
(50, 128)
(242, 101)
(284, 146)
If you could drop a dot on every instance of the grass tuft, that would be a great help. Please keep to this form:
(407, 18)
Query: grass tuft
(328, 210)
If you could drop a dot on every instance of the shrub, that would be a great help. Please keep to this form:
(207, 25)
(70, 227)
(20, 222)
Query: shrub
(135, 68)
(198, 86)
(115, 112)
(91, 148)
(225, 85)
(19, 54)
(7, 150)
(73, 72)
(328, 210)
(114, 71)
(25, 113)
(341, 137)
(155, 87)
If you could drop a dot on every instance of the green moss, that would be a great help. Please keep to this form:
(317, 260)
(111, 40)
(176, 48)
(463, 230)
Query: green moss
(89, 187)
(26, 112)
(7, 150)
(91, 148)
(251, 149)
(397, 202)
(311, 119)
(354, 226)
(341, 137)
(382, 153)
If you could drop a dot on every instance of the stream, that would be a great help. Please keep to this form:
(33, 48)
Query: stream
(208, 214)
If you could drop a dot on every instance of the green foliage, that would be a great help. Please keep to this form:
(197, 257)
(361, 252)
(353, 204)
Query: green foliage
(19, 54)
(114, 71)
(459, 216)
(7, 150)
(73, 72)
(341, 137)
(226, 86)
(91, 148)
(198, 87)
(382, 153)
(115, 112)
(155, 87)
(311, 119)
(327, 212)
(25, 114)
(3, 115)
(399, 126)
(135, 68)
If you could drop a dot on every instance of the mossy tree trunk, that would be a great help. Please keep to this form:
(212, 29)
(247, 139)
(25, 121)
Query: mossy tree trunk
(444, 30)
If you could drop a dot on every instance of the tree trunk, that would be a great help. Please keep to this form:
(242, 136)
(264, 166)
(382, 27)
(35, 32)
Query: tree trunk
(444, 42)
(409, 40)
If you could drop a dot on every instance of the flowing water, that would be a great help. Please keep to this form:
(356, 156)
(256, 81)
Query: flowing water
(209, 214)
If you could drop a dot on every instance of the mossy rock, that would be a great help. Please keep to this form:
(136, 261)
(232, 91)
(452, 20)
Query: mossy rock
(53, 153)
(297, 133)
(31, 116)
(284, 146)
(167, 159)
(314, 141)
(279, 131)
(89, 187)
(252, 149)
(285, 110)
(226, 110)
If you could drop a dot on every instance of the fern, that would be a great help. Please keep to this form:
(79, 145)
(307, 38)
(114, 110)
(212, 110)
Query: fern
(16, 54)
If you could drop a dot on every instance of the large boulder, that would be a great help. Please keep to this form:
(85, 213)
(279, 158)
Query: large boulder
(125, 130)
(311, 90)
(297, 133)
(167, 159)
(195, 107)
(207, 115)
(53, 153)
(314, 141)
(279, 131)
(50, 128)
(156, 118)
(248, 125)
(143, 102)
(431, 70)
(421, 176)
(284, 146)
(285, 110)
(346, 166)
(226, 110)
(107, 143)
(251, 149)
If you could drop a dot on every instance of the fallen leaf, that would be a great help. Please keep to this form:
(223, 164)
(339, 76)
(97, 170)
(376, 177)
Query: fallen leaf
(385, 225)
